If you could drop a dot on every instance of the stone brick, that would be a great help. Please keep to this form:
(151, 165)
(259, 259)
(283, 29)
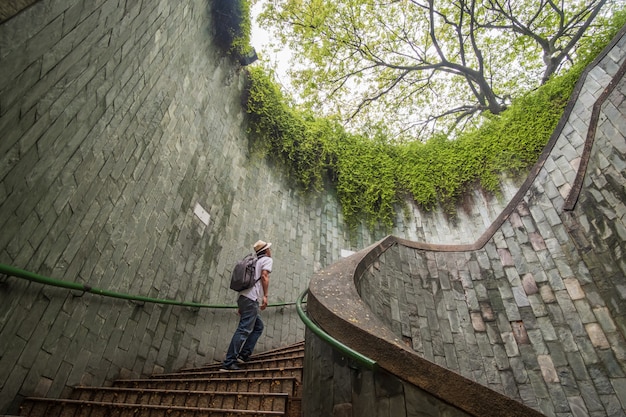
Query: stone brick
(584, 311)
(573, 288)
(590, 396)
(619, 384)
(577, 406)
(597, 336)
(612, 405)
(604, 319)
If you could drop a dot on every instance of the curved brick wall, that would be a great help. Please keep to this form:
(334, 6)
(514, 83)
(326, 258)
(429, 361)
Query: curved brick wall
(124, 164)
(533, 311)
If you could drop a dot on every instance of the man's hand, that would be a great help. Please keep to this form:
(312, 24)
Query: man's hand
(264, 304)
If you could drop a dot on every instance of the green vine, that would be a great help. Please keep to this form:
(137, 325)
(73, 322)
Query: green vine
(374, 177)
(297, 140)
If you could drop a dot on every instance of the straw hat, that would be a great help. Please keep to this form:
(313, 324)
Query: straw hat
(260, 246)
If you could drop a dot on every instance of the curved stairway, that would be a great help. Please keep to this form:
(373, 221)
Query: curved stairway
(268, 385)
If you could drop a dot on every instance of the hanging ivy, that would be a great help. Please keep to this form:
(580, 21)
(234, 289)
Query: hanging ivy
(373, 177)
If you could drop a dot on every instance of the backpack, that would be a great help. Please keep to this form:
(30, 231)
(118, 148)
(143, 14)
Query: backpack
(242, 276)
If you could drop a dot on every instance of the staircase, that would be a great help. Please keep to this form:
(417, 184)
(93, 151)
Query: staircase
(268, 385)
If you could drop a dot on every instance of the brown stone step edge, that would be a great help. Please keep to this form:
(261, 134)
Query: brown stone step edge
(243, 372)
(138, 408)
(275, 362)
(297, 348)
(269, 358)
(119, 391)
(193, 381)
(289, 384)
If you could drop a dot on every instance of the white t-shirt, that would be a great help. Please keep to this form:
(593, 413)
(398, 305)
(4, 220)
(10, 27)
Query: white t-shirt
(256, 291)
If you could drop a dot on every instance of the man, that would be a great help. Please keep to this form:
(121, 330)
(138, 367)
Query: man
(250, 302)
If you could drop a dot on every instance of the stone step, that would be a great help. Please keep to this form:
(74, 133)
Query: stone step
(293, 352)
(45, 407)
(291, 361)
(268, 385)
(296, 349)
(240, 400)
(293, 371)
(289, 385)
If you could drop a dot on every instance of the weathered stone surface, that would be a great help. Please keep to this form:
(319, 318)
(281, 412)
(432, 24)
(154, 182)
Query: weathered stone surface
(549, 329)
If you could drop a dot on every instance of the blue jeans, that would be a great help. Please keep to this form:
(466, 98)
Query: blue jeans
(248, 331)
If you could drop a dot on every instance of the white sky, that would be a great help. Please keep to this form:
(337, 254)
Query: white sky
(260, 39)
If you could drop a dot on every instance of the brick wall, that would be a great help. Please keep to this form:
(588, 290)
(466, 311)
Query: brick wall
(536, 312)
(124, 164)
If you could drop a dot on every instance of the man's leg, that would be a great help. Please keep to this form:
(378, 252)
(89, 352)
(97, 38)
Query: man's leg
(250, 343)
(248, 311)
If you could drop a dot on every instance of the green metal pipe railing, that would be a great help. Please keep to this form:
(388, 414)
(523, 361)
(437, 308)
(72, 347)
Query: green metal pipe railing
(30, 276)
(353, 354)
(86, 288)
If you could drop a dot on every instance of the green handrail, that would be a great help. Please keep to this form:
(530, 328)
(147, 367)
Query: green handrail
(364, 360)
(41, 279)
(30, 276)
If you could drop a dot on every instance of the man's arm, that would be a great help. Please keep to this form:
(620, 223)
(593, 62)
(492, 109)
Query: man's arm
(265, 283)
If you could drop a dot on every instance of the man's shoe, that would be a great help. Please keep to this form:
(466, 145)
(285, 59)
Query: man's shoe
(241, 359)
(232, 367)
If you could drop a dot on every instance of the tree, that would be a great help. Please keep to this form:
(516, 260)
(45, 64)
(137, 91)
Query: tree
(555, 30)
(418, 66)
